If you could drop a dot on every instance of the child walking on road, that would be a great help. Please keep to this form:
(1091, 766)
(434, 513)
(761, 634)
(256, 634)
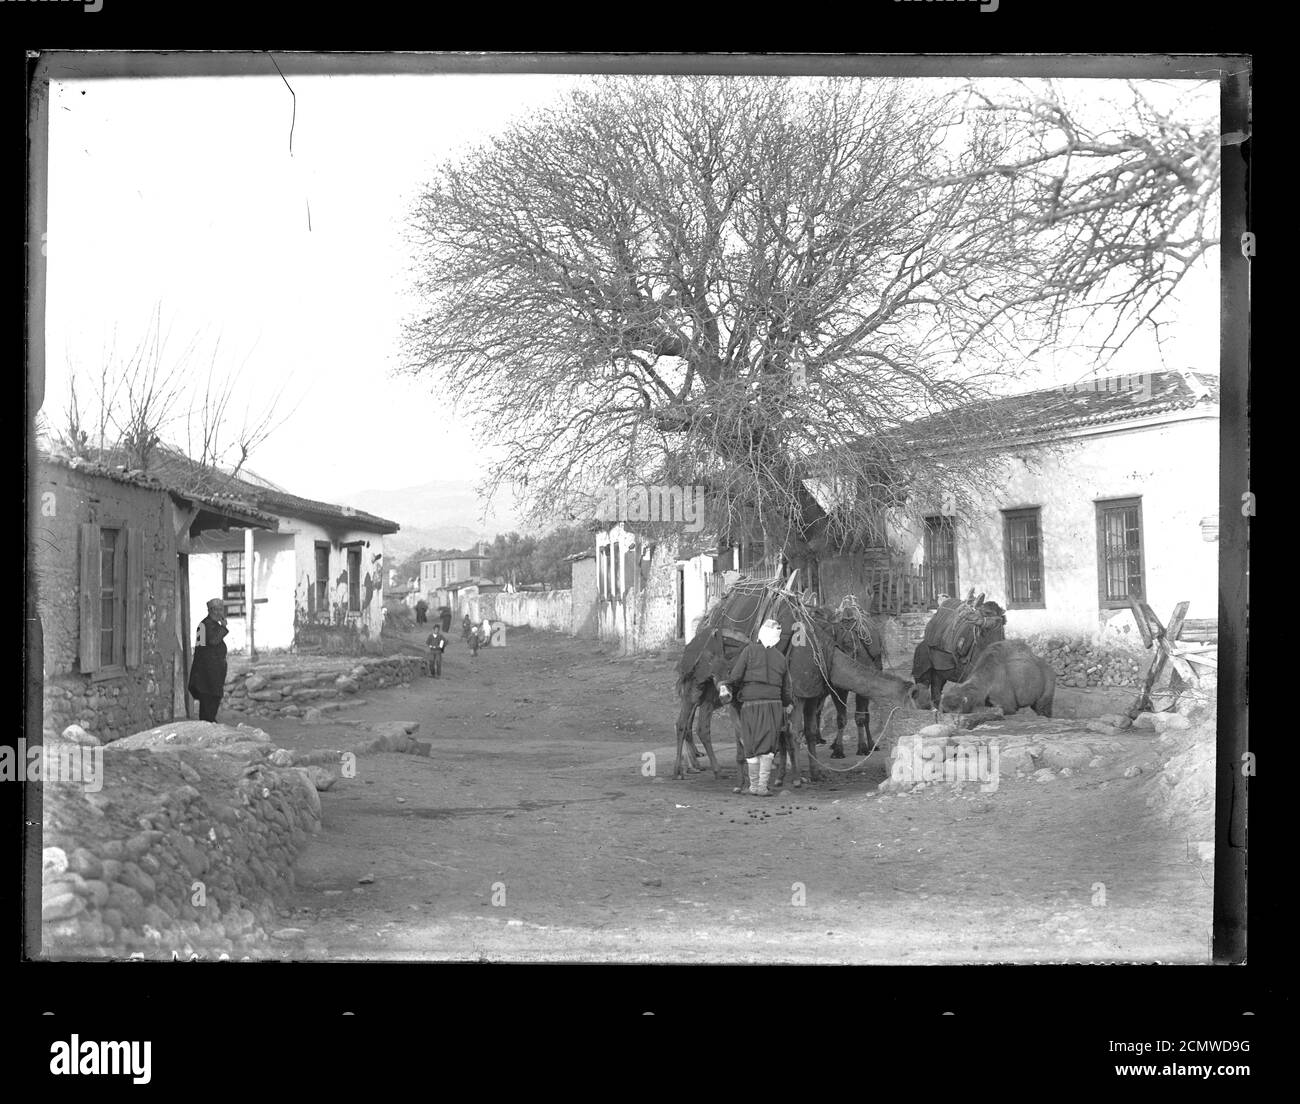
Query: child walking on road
(437, 645)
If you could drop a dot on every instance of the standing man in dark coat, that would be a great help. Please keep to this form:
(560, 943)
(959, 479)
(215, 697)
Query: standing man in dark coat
(208, 670)
(762, 677)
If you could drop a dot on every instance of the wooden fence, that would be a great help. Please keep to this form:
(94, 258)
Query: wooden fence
(894, 590)
(885, 590)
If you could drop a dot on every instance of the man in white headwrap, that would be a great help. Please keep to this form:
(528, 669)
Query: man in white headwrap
(761, 675)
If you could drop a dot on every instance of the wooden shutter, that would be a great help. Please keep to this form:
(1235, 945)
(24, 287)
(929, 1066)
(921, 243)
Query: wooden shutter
(134, 596)
(89, 619)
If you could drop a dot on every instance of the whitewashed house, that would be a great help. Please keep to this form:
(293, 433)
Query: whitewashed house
(317, 576)
(318, 580)
(653, 590)
(1115, 491)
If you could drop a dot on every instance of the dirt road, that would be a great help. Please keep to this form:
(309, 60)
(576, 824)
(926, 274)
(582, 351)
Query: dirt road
(533, 832)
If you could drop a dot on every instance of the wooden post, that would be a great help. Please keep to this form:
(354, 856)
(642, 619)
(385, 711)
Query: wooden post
(250, 595)
(183, 621)
(1154, 633)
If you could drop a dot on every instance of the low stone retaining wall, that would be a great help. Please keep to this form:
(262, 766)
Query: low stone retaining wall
(183, 841)
(963, 760)
(107, 707)
(185, 847)
(297, 688)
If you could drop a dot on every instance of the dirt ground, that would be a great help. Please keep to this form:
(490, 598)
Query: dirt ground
(533, 833)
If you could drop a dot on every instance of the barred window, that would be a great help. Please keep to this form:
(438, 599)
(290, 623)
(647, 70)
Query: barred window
(232, 583)
(940, 559)
(1022, 538)
(1120, 569)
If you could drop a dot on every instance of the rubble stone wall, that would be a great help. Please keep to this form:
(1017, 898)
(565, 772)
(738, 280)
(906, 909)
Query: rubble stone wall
(185, 847)
(137, 696)
(292, 687)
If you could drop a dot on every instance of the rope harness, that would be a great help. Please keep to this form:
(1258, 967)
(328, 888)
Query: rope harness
(866, 758)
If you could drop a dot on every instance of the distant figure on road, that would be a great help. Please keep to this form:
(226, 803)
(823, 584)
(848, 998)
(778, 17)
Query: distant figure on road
(444, 616)
(467, 628)
(437, 645)
(208, 669)
(421, 612)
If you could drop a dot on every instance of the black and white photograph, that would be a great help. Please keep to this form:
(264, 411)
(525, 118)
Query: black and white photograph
(636, 510)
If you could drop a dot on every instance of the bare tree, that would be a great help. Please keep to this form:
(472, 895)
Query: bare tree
(1122, 203)
(219, 437)
(147, 412)
(761, 285)
(152, 388)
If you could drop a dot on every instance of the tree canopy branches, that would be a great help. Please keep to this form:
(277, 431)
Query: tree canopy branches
(756, 284)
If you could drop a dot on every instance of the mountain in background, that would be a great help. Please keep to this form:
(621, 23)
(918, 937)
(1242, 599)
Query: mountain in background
(444, 513)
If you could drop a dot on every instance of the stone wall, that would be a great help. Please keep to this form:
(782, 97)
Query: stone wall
(1078, 661)
(295, 686)
(550, 609)
(185, 848)
(655, 604)
(141, 695)
(583, 597)
(902, 635)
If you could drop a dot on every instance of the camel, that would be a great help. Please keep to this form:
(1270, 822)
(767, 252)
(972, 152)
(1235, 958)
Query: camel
(819, 665)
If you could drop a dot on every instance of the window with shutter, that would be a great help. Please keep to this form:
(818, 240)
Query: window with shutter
(89, 639)
(134, 604)
(111, 555)
(111, 608)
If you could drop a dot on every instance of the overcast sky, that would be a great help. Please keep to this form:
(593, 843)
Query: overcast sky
(182, 194)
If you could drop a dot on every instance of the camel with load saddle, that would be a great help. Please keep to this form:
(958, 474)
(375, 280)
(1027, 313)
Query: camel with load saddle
(821, 654)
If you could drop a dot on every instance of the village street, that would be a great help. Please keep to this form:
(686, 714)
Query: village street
(533, 833)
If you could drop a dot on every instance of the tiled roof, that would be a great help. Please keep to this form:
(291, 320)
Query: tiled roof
(236, 505)
(172, 470)
(1092, 403)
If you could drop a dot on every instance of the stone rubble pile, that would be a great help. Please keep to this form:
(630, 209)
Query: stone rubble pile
(1079, 662)
(309, 687)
